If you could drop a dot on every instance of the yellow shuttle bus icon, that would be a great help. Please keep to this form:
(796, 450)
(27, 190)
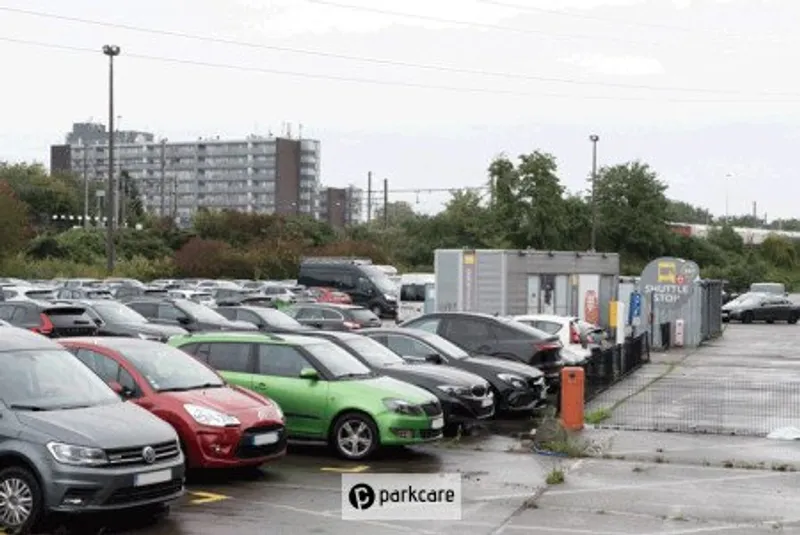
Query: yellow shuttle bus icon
(667, 272)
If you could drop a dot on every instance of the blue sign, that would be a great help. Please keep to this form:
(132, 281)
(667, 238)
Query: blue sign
(635, 307)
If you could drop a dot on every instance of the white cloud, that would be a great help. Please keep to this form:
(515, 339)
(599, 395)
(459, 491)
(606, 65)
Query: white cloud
(617, 65)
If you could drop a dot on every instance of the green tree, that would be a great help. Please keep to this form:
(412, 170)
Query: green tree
(527, 201)
(46, 195)
(726, 239)
(632, 210)
(13, 221)
(397, 213)
(683, 212)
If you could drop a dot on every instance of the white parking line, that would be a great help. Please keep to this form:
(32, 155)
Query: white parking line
(657, 484)
(696, 448)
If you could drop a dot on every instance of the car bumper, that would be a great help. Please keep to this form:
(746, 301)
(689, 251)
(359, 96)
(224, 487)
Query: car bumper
(401, 430)
(458, 411)
(73, 489)
(231, 448)
(527, 399)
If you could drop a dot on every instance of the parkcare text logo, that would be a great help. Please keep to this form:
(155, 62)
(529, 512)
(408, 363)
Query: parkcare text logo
(401, 496)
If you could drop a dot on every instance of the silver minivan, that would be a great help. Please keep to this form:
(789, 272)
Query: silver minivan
(69, 444)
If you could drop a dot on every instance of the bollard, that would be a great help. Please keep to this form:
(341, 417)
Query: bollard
(572, 392)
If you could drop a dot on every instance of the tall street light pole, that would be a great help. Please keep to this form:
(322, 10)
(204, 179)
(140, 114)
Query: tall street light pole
(594, 139)
(111, 51)
(727, 192)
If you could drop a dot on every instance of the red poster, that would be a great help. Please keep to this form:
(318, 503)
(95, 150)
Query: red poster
(591, 307)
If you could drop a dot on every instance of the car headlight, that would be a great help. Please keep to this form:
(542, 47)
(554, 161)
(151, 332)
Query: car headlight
(403, 407)
(77, 455)
(389, 297)
(514, 380)
(151, 337)
(454, 390)
(210, 417)
(278, 410)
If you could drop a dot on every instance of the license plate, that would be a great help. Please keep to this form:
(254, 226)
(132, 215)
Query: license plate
(486, 403)
(437, 423)
(152, 478)
(265, 438)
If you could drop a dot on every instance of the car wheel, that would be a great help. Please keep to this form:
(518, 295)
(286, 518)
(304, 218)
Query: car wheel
(793, 319)
(377, 311)
(355, 436)
(20, 499)
(747, 318)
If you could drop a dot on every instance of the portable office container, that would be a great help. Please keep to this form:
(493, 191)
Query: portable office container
(514, 282)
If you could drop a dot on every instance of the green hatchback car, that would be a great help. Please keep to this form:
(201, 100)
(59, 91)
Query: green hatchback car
(326, 394)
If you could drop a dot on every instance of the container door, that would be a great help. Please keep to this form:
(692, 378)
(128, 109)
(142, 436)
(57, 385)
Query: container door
(548, 291)
(533, 294)
(562, 296)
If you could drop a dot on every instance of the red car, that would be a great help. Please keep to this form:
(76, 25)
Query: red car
(219, 425)
(330, 295)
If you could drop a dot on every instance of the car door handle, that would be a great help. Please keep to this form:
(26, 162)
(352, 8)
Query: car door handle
(263, 386)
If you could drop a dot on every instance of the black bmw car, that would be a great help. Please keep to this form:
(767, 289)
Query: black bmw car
(517, 387)
(465, 397)
(115, 319)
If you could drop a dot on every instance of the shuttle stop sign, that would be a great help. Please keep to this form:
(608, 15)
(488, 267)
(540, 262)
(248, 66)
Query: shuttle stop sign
(670, 281)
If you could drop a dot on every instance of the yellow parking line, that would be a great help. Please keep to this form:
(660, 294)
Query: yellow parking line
(353, 470)
(202, 498)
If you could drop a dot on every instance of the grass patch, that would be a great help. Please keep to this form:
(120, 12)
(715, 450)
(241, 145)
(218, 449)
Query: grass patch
(555, 477)
(597, 416)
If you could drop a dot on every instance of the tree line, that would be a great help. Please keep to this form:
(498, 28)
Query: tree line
(525, 206)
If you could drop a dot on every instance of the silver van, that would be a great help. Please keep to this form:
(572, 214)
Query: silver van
(69, 444)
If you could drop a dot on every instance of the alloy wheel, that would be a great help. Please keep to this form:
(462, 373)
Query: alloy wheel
(354, 438)
(16, 502)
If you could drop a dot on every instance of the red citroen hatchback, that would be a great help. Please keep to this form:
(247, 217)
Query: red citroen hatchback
(219, 425)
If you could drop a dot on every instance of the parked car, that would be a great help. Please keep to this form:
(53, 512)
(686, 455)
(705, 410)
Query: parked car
(367, 285)
(277, 292)
(751, 307)
(772, 288)
(498, 337)
(68, 444)
(577, 338)
(251, 300)
(27, 293)
(328, 316)
(266, 319)
(191, 316)
(328, 396)
(517, 387)
(48, 319)
(465, 397)
(88, 292)
(329, 295)
(202, 298)
(219, 425)
(115, 319)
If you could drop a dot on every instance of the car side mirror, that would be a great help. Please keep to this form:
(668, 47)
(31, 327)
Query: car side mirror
(98, 322)
(183, 320)
(433, 358)
(309, 373)
(120, 390)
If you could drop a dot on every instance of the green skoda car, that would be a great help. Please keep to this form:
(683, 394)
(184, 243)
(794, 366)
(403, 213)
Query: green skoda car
(326, 394)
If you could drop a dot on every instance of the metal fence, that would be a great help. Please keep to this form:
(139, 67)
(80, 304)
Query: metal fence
(609, 366)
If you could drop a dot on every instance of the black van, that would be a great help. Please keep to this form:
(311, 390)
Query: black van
(366, 285)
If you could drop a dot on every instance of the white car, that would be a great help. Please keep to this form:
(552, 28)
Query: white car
(202, 298)
(570, 331)
(28, 293)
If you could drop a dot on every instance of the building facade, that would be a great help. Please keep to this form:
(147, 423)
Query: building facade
(256, 174)
(340, 207)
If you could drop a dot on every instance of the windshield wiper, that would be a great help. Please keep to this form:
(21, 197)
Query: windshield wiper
(193, 387)
(355, 375)
(34, 408)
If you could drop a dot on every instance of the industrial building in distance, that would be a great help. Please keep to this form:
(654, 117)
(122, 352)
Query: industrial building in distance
(256, 174)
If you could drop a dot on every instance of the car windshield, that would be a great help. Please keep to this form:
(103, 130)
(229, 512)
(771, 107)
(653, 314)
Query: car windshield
(747, 300)
(276, 318)
(112, 312)
(379, 278)
(363, 315)
(445, 347)
(40, 295)
(336, 360)
(526, 329)
(376, 354)
(50, 379)
(201, 312)
(167, 368)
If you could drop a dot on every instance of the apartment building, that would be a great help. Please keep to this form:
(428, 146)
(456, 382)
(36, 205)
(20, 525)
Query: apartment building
(255, 174)
(341, 206)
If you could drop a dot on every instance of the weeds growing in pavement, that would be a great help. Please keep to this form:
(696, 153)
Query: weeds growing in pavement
(597, 416)
(555, 477)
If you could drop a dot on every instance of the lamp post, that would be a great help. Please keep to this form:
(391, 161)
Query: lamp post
(594, 139)
(727, 194)
(111, 51)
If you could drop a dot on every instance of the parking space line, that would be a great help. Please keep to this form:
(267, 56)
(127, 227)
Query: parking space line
(202, 498)
(657, 484)
(353, 470)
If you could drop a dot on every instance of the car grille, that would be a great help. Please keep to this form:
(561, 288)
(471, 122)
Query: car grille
(246, 449)
(432, 409)
(141, 494)
(134, 456)
(536, 383)
(429, 434)
(63, 332)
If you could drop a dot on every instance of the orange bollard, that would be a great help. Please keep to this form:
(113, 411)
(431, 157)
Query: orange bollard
(572, 385)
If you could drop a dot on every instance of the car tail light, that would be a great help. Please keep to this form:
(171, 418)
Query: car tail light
(351, 325)
(45, 326)
(546, 346)
(574, 334)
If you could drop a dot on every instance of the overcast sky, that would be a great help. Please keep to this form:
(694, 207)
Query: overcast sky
(699, 89)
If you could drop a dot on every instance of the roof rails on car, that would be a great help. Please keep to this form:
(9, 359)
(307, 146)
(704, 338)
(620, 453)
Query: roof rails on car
(335, 260)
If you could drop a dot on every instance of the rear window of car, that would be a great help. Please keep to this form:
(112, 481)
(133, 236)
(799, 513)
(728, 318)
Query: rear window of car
(362, 314)
(533, 332)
